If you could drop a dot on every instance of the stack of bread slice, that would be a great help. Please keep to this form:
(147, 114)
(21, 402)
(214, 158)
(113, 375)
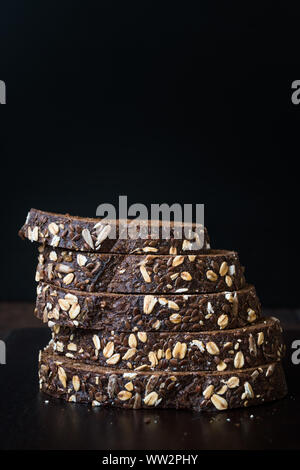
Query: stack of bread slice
(142, 323)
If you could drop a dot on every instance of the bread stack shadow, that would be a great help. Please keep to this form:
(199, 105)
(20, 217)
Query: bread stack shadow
(143, 323)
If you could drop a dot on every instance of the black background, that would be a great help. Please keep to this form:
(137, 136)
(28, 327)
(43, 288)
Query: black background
(162, 102)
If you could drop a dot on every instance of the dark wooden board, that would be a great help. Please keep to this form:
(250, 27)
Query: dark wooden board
(27, 421)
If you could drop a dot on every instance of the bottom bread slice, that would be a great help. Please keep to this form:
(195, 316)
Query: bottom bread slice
(100, 386)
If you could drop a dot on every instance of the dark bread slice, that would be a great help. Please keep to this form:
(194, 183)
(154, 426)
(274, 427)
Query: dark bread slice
(251, 346)
(89, 234)
(216, 271)
(131, 312)
(100, 386)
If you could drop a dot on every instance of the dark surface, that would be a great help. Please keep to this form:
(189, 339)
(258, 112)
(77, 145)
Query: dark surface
(27, 422)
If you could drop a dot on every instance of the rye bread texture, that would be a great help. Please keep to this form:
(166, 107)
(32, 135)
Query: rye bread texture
(197, 391)
(216, 271)
(158, 320)
(236, 349)
(94, 235)
(139, 312)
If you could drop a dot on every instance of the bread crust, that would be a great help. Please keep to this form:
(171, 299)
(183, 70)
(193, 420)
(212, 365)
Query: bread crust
(92, 234)
(139, 312)
(197, 391)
